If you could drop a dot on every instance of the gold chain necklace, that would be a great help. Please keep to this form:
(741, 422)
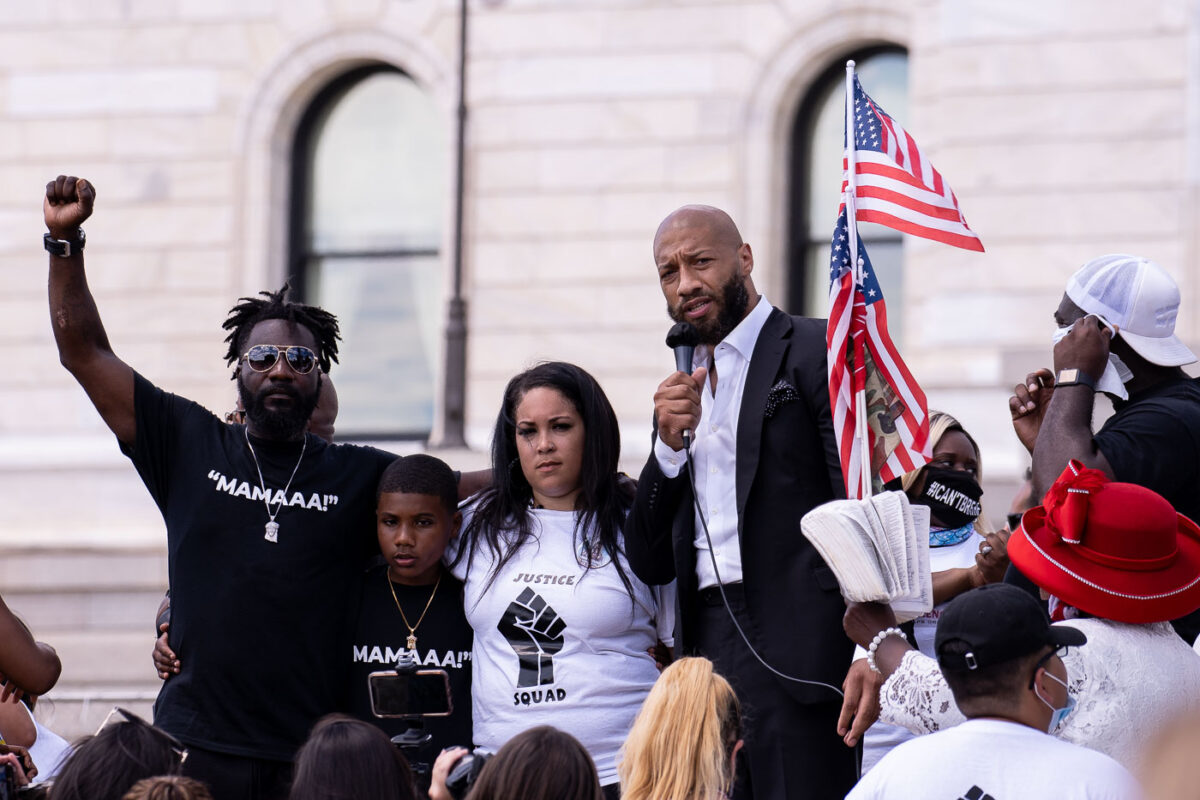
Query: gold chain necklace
(411, 643)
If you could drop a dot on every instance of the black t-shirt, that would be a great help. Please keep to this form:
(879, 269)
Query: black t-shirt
(258, 626)
(1153, 440)
(443, 641)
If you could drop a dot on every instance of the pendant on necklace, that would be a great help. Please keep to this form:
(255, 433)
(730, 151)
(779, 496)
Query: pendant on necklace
(272, 534)
(412, 641)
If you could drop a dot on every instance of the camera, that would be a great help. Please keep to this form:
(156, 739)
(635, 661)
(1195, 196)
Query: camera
(462, 777)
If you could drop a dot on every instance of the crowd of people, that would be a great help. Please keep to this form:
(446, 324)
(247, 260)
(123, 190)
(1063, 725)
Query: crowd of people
(550, 628)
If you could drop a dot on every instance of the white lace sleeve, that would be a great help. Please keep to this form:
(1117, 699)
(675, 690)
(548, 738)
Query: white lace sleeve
(916, 696)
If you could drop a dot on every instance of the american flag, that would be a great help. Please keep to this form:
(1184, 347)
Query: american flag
(862, 358)
(896, 185)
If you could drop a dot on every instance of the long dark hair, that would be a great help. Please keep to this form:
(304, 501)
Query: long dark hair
(542, 763)
(348, 758)
(107, 765)
(500, 519)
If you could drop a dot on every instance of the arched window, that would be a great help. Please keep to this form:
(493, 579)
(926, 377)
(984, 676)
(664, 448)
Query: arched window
(816, 180)
(369, 184)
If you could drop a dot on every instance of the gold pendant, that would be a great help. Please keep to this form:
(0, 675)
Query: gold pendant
(412, 641)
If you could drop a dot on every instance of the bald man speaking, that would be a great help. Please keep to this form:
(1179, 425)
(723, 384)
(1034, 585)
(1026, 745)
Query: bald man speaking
(725, 521)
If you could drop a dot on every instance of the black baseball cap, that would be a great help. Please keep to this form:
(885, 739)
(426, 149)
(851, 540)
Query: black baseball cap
(997, 623)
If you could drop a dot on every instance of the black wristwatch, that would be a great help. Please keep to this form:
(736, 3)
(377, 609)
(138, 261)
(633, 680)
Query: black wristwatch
(1074, 377)
(64, 248)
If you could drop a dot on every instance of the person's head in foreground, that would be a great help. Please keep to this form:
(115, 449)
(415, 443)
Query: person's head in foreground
(348, 758)
(685, 740)
(125, 750)
(168, 787)
(1000, 657)
(1113, 550)
(542, 763)
(1168, 765)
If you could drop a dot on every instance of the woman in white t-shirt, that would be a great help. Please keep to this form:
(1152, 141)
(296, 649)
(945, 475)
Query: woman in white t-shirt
(562, 626)
(962, 552)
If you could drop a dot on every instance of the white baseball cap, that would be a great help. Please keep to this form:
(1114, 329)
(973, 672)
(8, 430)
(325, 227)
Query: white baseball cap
(1139, 298)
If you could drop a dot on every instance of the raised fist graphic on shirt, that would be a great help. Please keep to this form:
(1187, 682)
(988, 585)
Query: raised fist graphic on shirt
(534, 631)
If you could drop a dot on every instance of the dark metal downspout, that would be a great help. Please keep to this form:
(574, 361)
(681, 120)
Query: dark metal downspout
(455, 395)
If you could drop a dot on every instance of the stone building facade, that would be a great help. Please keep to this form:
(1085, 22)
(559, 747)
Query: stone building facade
(1067, 129)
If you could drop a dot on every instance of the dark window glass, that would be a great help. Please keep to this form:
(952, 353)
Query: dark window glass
(370, 181)
(817, 179)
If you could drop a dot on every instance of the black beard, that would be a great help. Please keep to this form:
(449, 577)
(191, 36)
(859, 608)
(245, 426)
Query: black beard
(735, 299)
(278, 425)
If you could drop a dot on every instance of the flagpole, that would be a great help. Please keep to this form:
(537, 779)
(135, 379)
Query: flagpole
(851, 177)
(860, 395)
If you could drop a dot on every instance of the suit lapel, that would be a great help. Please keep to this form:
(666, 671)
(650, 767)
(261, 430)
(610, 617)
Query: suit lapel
(764, 365)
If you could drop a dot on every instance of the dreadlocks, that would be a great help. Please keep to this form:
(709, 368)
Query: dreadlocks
(251, 310)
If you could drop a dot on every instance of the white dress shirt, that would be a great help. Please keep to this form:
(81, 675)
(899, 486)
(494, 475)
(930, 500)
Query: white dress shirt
(714, 449)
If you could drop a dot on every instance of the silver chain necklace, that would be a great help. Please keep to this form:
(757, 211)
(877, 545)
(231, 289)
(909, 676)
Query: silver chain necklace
(272, 528)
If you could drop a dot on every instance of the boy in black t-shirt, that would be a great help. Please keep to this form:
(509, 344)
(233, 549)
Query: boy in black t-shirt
(409, 595)
(411, 602)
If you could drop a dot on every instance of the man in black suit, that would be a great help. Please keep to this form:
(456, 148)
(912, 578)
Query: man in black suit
(763, 454)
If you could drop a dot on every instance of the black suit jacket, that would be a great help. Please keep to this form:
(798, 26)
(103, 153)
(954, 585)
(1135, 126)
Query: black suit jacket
(787, 463)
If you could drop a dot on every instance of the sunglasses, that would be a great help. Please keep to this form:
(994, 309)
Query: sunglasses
(1041, 662)
(262, 357)
(176, 746)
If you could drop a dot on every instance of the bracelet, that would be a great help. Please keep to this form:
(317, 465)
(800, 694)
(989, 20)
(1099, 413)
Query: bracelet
(879, 637)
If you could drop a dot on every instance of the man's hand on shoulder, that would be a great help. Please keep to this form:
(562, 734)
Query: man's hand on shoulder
(677, 406)
(69, 201)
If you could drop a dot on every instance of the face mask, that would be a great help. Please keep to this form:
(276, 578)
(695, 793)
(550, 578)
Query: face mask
(952, 496)
(1059, 713)
(1116, 373)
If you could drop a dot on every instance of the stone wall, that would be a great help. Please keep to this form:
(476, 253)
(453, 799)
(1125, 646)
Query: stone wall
(1067, 129)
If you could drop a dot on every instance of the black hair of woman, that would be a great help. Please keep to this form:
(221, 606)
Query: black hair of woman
(346, 757)
(604, 499)
(107, 765)
(542, 763)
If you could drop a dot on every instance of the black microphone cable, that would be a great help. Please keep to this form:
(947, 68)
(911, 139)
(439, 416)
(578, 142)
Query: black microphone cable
(687, 464)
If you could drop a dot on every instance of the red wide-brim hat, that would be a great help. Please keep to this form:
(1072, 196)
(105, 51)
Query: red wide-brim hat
(1115, 550)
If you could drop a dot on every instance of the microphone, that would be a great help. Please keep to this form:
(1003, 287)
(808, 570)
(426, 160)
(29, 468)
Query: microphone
(683, 338)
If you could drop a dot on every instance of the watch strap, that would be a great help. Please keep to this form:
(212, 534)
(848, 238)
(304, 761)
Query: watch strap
(64, 248)
(1074, 377)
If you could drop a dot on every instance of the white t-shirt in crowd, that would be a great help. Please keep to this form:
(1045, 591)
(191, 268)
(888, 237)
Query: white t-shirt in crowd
(882, 737)
(558, 644)
(48, 750)
(993, 759)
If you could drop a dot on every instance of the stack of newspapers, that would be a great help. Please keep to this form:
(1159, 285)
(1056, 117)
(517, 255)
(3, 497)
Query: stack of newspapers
(878, 549)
